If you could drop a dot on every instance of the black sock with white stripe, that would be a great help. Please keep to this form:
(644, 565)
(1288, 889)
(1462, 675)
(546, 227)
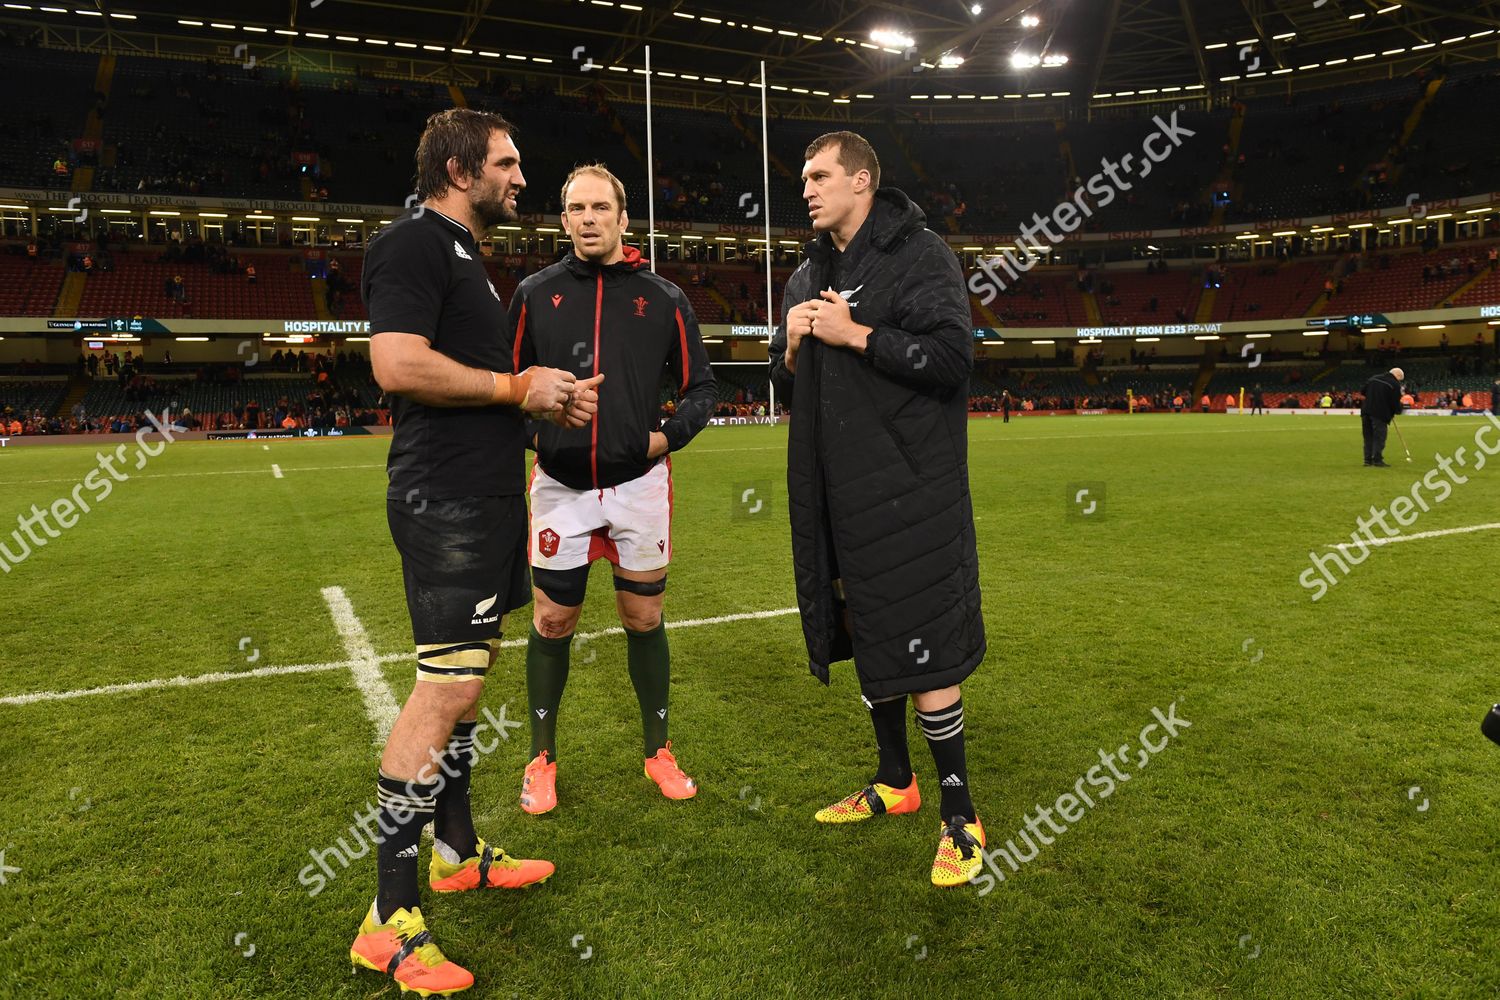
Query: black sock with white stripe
(889, 717)
(944, 729)
(453, 821)
(405, 807)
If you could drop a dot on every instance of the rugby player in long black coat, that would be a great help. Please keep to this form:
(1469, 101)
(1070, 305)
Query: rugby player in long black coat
(873, 354)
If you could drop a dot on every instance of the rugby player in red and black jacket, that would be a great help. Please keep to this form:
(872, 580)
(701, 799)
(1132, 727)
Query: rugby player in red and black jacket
(605, 490)
(621, 320)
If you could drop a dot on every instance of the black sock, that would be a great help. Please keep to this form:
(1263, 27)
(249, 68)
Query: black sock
(944, 730)
(650, 660)
(405, 807)
(453, 822)
(546, 673)
(890, 740)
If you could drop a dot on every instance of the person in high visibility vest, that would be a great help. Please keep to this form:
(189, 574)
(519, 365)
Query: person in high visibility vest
(1229, 402)
(1326, 401)
(1206, 403)
(250, 273)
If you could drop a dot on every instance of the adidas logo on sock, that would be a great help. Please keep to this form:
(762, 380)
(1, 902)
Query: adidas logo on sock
(952, 781)
(409, 852)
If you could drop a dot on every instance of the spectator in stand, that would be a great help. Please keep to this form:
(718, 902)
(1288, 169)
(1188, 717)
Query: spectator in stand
(1205, 404)
(250, 273)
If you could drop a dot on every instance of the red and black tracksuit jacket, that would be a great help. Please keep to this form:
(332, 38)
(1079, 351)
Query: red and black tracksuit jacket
(636, 328)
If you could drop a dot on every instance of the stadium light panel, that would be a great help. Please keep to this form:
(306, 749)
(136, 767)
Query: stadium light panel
(893, 39)
(102, 211)
(1044, 341)
(1257, 336)
(1030, 21)
(1023, 60)
(213, 215)
(1314, 333)
(1387, 10)
(1208, 336)
(186, 340)
(1148, 340)
(1432, 326)
(1424, 45)
(1217, 45)
(1442, 215)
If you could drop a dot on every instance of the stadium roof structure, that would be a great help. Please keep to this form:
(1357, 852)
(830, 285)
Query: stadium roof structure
(867, 56)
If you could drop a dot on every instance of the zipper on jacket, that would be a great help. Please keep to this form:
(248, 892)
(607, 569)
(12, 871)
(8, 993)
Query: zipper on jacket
(594, 434)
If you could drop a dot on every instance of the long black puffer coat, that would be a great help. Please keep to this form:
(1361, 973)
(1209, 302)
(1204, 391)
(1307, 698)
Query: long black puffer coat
(877, 460)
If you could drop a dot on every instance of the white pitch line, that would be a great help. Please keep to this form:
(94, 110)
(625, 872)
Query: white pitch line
(380, 703)
(1376, 542)
(172, 682)
(313, 668)
(276, 471)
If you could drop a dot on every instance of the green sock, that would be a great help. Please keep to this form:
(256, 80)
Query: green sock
(650, 672)
(546, 673)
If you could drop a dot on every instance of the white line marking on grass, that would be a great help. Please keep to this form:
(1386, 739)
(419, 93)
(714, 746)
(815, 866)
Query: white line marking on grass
(687, 623)
(173, 682)
(1376, 542)
(276, 471)
(380, 703)
(315, 668)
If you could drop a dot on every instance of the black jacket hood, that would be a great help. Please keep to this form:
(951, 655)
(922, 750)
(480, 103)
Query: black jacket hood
(893, 218)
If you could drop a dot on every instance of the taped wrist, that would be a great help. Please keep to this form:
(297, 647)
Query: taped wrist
(511, 390)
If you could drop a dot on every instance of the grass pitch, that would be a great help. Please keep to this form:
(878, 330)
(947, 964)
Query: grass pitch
(1326, 827)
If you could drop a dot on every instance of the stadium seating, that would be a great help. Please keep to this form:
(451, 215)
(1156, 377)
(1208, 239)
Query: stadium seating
(1268, 290)
(28, 288)
(25, 396)
(1400, 286)
(48, 94)
(136, 286)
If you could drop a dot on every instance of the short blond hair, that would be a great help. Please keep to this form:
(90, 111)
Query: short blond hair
(594, 170)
